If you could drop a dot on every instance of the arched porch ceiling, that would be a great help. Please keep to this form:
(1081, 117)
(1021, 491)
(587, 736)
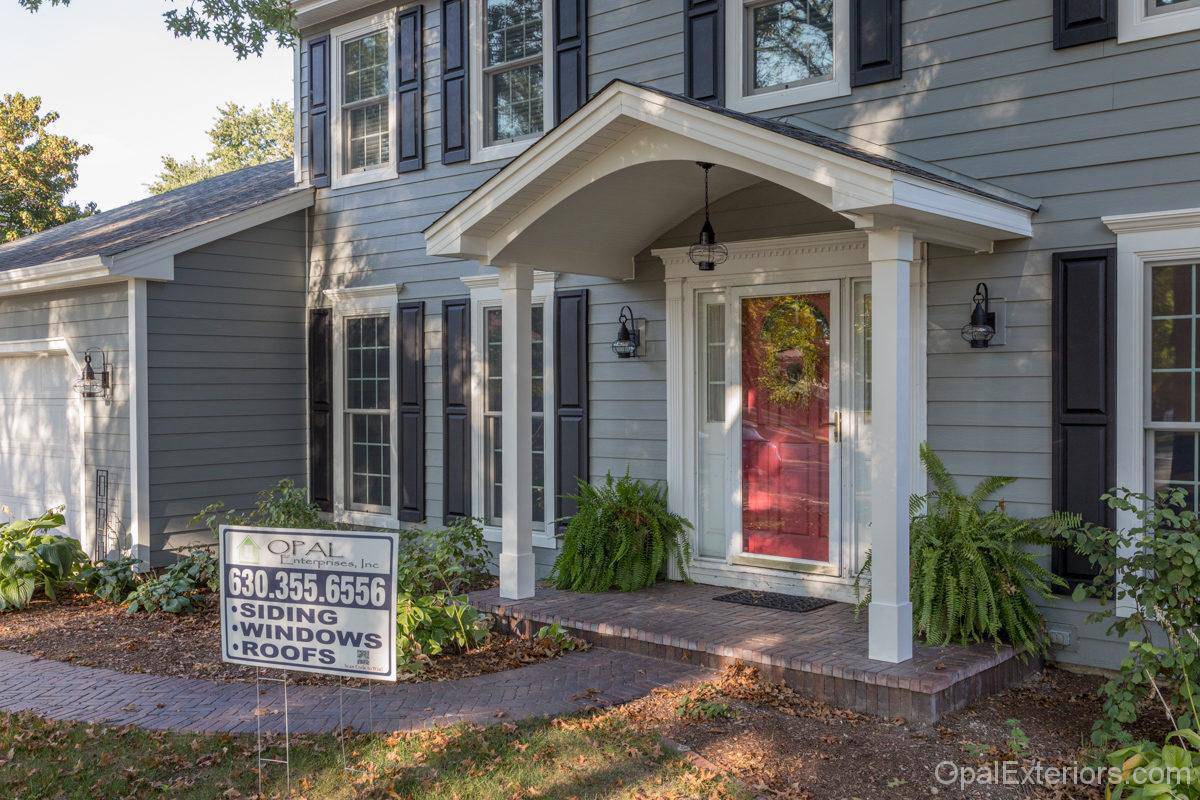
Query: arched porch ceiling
(599, 188)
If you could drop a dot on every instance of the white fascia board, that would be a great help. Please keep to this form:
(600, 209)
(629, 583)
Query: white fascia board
(56, 275)
(155, 261)
(1153, 221)
(952, 204)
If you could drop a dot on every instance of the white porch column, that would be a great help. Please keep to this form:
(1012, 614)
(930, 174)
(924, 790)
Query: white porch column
(516, 525)
(890, 613)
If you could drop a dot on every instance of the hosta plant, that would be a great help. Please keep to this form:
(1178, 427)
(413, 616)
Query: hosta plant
(31, 558)
(622, 536)
(432, 624)
(112, 579)
(974, 570)
(175, 589)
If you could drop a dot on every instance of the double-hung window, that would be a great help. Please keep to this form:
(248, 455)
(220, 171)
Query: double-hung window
(368, 414)
(365, 116)
(510, 90)
(1174, 378)
(1145, 19)
(783, 52)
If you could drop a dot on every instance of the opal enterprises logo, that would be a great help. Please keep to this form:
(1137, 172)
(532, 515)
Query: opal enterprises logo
(1035, 773)
(315, 554)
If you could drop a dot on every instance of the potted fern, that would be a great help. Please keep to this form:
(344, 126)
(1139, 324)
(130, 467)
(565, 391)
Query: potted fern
(974, 572)
(622, 537)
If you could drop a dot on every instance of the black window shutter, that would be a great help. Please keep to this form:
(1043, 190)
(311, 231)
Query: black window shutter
(570, 395)
(320, 408)
(570, 57)
(875, 44)
(1084, 429)
(410, 379)
(456, 409)
(456, 132)
(410, 105)
(704, 50)
(1083, 21)
(318, 111)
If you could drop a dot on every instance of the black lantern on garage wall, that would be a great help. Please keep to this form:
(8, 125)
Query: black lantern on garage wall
(982, 327)
(706, 253)
(628, 339)
(92, 383)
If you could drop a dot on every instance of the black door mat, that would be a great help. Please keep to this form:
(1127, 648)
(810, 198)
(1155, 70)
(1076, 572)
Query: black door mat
(782, 602)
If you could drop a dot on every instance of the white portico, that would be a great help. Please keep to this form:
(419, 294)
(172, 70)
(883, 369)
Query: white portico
(602, 187)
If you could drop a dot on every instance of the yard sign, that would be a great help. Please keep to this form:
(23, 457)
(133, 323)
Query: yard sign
(315, 601)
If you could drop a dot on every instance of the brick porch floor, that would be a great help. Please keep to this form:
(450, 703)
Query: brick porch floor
(821, 654)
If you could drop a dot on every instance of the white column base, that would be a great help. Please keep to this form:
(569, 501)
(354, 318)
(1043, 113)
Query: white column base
(517, 575)
(890, 632)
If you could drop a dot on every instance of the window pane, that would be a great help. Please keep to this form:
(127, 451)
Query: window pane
(365, 67)
(793, 41)
(517, 102)
(1160, 6)
(714, 341)
(371, 458)
(514, 30)
(493, 346)
(1175, 463)
(368, 363)
(1173, 340)
(367, 136)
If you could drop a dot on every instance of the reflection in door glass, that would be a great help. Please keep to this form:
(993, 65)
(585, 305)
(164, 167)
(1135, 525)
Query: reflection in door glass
(785, 426)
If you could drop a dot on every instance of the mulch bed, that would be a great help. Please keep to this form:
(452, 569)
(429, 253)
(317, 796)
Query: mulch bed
(92, 633)
(782, 746)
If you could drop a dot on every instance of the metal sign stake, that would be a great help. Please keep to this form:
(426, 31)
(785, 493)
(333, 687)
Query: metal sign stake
(342, 733)
(259, 678)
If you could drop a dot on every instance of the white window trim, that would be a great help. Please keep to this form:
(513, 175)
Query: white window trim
(348, 303)
(1156, 237)
(485, 293)
(479, 151)
(1135, 22)
(387, 21)
(737, 59)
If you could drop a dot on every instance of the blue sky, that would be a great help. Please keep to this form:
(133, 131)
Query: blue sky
(123, 84)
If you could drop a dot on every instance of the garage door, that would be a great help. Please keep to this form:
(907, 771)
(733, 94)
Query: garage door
(40, 438)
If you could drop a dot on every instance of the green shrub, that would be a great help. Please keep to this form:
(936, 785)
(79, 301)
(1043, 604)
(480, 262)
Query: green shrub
(557, 637)
(30, 558)
(428, 625)
(450, 559)
(284, 505)
(111, 579)
(176, 588)
(973, 576)
(1148, 770)
(622, 536)
(1157, 562)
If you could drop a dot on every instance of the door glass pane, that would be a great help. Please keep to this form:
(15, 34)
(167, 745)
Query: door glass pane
(785, 431)
(711, 493)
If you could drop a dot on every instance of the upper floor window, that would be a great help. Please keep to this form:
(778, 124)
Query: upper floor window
(785, 52)
(510, 85)
(1144, 19)
(364, 120)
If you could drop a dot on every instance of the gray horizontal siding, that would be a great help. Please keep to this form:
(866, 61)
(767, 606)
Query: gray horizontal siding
(95, 316)
(226, 364)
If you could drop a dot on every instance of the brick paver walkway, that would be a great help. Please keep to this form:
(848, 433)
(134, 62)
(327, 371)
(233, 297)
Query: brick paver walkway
(571, 683)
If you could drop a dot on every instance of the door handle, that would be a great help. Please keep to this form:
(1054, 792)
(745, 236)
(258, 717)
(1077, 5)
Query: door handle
(836, 424)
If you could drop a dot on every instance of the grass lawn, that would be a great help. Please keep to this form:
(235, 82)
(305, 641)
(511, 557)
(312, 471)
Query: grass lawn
(585, 756)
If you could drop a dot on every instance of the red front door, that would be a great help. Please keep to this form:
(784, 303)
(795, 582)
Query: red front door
(785, 425)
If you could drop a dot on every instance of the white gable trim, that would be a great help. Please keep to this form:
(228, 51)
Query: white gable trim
(154, 261)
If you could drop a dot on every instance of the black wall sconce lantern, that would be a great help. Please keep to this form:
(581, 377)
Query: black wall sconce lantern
(92, 383)
(707, 253)
(628, 339)
(982, 327)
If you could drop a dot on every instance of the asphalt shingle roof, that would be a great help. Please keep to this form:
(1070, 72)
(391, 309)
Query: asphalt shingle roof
(146, 221)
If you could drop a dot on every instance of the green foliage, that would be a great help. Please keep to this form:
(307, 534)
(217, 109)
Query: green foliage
(622, 536)
(30, 557)
(240, 137)
(555, 635)
(973, 575)
(702, 704)
(431, 624)
(112, 579)
(244, 25)
(450, 559)
(1148, 770)
(1153, 568)
(1018, 741)
(37, 169)
(284, 505)
(175, 589)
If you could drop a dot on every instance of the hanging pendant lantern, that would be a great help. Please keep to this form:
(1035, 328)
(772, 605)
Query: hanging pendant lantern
(707, 252)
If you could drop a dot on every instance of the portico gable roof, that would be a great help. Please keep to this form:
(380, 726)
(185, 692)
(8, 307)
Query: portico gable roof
(604, 184)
